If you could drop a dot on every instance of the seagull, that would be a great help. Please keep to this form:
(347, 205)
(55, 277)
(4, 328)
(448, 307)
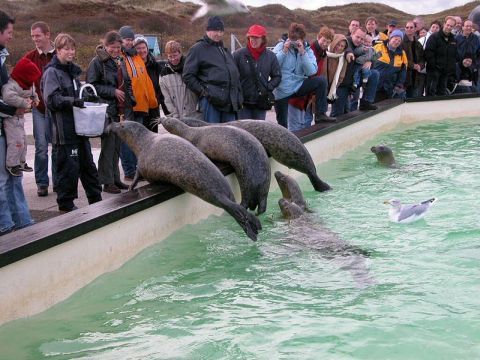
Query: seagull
(408, 213)
(220, 7)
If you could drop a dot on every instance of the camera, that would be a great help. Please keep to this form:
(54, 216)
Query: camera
(294, 45)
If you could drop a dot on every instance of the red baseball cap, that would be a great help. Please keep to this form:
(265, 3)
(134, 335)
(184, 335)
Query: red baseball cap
(257, 31)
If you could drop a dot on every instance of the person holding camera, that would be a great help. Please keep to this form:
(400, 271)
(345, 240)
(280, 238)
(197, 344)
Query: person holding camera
(60, 89)
(259, 74)
(298, 64)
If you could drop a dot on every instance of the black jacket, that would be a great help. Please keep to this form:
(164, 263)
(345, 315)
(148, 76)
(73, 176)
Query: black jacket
(267, 67)
(414, 51)
(58, 94)
(5, 110)
(440, 53)
(211, 71)
(102, 74)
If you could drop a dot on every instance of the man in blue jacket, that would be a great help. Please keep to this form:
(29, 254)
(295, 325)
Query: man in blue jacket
(298, 63)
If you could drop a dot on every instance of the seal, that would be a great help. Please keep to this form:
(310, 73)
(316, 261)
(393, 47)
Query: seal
(289, 209)
(290, 189)
(384, 155)
(307, 232)
(169, 158)
(239, 149)
(280, 143)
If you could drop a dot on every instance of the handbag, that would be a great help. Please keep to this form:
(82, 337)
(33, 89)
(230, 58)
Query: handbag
(265, 99)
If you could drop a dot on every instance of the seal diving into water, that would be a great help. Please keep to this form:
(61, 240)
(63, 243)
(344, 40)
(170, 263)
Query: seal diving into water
(169, 158)
(290, 190)
(384, 155)
(280, 143)
(239, 149)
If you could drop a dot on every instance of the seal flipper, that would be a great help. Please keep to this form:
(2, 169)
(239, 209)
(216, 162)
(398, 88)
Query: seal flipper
(318, 184)
(135, 180)
(262, 206)
(249, 222)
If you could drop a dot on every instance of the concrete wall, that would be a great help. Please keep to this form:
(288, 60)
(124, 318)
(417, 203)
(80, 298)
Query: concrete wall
(36, 283)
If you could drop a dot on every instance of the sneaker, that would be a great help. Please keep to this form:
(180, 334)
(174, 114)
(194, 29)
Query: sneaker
(111, 189)
(42, 190)
(365, 105)
(121, 185)
(24, 167)
(15, 170)
(66, 210)
(324, 117)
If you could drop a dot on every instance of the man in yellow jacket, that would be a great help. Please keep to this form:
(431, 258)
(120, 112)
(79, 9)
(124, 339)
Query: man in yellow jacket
(392, 66)
(143, 91)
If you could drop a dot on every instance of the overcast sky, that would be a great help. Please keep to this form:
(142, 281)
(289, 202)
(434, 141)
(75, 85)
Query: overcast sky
(414, 7)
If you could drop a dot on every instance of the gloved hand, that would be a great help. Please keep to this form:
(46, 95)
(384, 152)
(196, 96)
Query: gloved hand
(92, 98)
(78, 103)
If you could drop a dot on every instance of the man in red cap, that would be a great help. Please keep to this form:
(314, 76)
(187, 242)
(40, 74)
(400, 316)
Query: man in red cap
(259, 74)
(19, 92)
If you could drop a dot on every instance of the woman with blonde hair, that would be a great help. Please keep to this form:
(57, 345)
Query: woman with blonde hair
(60, 88)
(179, 100)
(259, 74)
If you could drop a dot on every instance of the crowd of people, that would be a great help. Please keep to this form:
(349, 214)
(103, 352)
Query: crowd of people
(298, 78)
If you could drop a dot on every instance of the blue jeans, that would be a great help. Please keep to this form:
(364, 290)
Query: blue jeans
(127, 157)
(297, 119)
(338, 107)
(212, 115)
(361, 75)
(14, 212)
(42, 133)
(251, 113)
(316, 85)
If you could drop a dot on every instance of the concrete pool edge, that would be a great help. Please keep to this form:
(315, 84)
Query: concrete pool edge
(48, 265)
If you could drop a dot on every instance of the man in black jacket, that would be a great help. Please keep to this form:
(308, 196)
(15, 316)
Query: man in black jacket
(440, 56)
(14, 212)
(211, 73)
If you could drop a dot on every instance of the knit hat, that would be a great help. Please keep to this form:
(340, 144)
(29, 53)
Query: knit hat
(126, 32)
(257, 31)
(25, 73)
(396, 32)
(140, 39)
(215, 23)
(392, 23)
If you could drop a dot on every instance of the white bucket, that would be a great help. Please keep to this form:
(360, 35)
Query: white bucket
(89, 121)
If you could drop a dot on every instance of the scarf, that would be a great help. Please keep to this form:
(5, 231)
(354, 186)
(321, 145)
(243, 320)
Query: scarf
(256, 52)
(179, 67)
(332, 94)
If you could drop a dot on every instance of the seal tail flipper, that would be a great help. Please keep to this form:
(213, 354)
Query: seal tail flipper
(318, 184)
(249, 222)
(262, 206)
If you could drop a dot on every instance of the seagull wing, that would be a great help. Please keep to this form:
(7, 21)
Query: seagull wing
(216, 2)
(413, 211)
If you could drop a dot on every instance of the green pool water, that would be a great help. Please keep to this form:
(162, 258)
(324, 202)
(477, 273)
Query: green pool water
(207, 292)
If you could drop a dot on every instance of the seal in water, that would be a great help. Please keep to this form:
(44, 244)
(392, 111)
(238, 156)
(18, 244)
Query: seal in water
(384, 155)
(308, 232)
(290, 189)
(280, 143)
(239, 149)
(289, 209)
(169, 158)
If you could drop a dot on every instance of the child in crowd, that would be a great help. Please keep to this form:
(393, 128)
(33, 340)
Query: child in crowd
(363, 54)
(19, 92)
